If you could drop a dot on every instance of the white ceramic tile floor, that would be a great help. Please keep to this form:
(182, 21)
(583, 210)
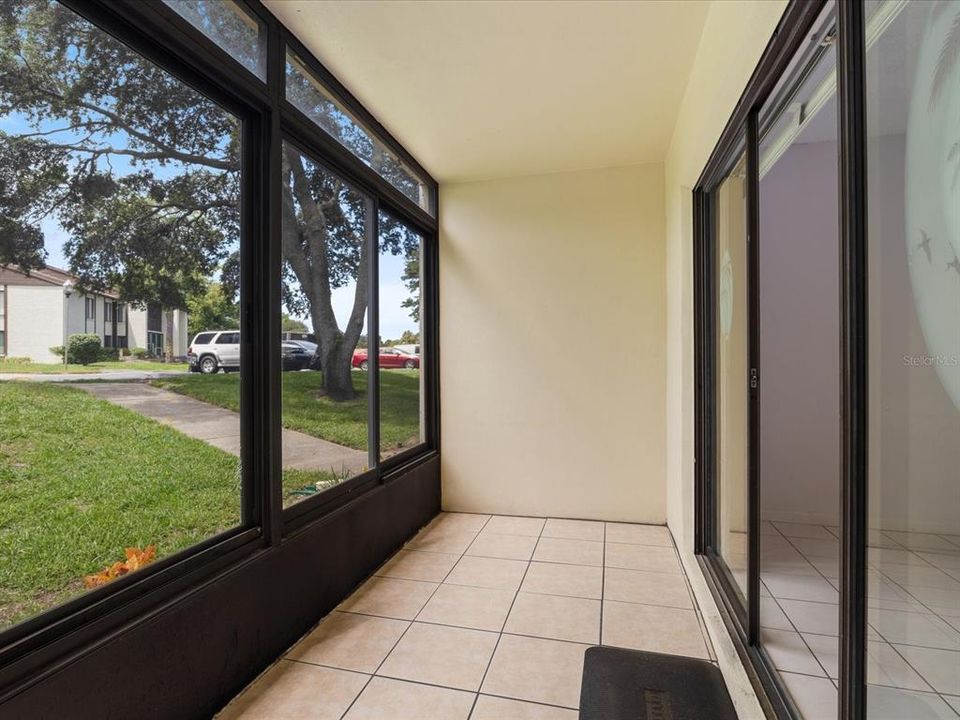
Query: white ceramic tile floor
(913, 599)
(485, 617)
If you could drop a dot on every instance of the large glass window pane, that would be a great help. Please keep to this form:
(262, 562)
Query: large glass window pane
(913, 280)
(326, 280)
(229, 26)
(401, 322)
(309, 95)
(732, 393)
(800, 384)
(117, 182)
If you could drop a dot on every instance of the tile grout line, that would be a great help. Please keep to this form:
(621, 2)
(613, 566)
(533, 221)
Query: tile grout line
(423, 683)
(799, 634)
(410, 625)
(506, 618)
(867, 619)
(894, 582)
(910, 665)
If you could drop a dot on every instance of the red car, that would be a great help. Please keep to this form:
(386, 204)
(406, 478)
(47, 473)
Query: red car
(389, 358)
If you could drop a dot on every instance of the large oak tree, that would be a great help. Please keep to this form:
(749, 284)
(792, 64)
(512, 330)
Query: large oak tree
(142, 173)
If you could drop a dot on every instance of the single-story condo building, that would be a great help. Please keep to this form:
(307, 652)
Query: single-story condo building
(37, 314)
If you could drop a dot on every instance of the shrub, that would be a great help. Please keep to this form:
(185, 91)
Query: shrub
(84, 348)
(139, 353)
(108, 354)
(16, 360)
(57, 350)
(124, 352)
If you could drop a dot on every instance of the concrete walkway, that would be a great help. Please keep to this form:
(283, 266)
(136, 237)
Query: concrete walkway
(221, 428)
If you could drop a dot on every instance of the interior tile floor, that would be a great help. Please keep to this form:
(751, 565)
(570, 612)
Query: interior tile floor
(913, 628)
(485, 617)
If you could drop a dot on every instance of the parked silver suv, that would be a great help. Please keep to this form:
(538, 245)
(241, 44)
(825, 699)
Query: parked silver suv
(213, 351)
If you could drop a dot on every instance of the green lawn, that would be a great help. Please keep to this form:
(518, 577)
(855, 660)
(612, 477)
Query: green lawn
(306, 409)
(15, 366)
(82, 479)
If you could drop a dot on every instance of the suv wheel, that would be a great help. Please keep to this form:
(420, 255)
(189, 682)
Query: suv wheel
(208, 365)
(410, 365)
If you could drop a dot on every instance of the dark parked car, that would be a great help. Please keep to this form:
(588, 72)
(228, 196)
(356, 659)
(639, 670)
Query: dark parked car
(389, 358)
(293, 356)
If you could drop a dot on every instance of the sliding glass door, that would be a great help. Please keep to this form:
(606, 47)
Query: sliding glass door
(828, 351)
(912, 93)
(799, 333)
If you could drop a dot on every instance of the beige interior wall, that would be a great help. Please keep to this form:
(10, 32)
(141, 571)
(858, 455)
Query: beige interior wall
(552, 339)
(734, 37)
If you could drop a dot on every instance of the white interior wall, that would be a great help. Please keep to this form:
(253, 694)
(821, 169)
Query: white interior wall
(800, 337)
(914, 462)
(913, 457)
(552, 339)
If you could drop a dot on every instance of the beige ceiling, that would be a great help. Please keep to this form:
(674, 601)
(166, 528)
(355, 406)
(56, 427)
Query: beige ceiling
(479, 90)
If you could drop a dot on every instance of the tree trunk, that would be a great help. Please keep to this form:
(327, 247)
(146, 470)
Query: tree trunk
(305, 248)
(168, 336)
(338, 373)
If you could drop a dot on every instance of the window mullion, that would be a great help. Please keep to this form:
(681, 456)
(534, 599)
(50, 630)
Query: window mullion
(373, 332)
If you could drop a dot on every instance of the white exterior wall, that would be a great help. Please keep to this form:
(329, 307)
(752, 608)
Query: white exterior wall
(180, 333)
(35, 321)
(136, 327)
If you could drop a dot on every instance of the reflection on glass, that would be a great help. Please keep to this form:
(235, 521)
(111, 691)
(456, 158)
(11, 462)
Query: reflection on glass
(732, 371)
(325, 295)
(401, 322)
(120, 219)
(800, 392)
(913, 182)
(230, 27)
(308, 94)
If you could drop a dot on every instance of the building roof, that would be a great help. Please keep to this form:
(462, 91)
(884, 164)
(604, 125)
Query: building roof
(47, 275)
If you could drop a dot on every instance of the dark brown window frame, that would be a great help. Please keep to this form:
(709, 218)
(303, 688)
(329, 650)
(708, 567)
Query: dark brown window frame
(38, 647)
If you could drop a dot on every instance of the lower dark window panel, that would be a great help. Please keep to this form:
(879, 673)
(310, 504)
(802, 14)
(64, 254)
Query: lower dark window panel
(189, 660)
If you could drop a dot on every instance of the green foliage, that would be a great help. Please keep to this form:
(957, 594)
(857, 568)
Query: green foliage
(139, 353)
(138, 169)
(84, 348)
(212, 309)
(108, 354)
(289, 324)
(411, 277)
(57, 350)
